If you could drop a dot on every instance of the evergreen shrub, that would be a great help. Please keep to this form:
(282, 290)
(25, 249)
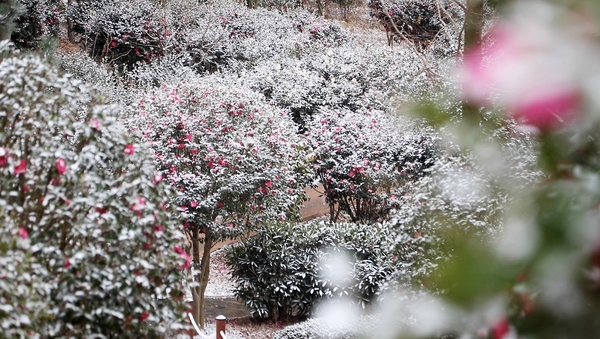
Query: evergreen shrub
(282, 272)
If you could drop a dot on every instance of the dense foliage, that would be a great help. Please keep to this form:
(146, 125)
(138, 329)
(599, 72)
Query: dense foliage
(285, 270)
(417, 21)
(39, 20)
(82, 220)
(120, 32)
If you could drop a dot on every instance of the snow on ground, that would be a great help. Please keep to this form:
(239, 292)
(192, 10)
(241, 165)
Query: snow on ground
(220, 283)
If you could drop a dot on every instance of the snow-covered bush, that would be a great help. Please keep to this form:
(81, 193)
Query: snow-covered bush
(229, 36)
(234, 160)
(84, 195)
(418, 21)
(120, 32)
(39, 21)
(107, 84)
(282, 272)
(361, 158)
(23, 306)
(319, 328)
(351, 76)
(460, 195)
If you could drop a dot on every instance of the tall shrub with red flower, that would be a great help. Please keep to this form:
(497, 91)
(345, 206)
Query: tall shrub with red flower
(234, 161)
(100, 258)
(361, 158)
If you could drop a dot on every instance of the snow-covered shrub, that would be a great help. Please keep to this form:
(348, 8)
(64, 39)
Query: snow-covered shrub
(319, 328)
(234, 160)
(23, 305)
(419, 21)
(84, 68)
(360, 158)
(229, 154)
(84, 195)
(464, 193)
(352, 76)
(281, 272)
(39, 21)
(228, 36)
(279, 4)
(120, 32)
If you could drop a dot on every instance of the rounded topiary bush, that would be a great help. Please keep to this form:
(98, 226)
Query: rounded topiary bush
(282, 272)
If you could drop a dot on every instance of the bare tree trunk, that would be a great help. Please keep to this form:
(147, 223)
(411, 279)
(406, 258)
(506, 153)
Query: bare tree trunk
(70, 25)
(473, 23)
(473, 29)
(202, 279)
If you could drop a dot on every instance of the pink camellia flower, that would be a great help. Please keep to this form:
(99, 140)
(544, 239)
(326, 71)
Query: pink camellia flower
(268, 184)
(23, 233)
(61, 166)
(21, 167)
(95, 124)
(157, 178)
(188, 261)
(158, 228)
(138, 204)
(193, 204)
(523, 70)
(129, 149)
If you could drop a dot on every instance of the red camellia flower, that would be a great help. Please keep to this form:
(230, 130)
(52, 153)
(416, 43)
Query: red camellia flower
(3, 157)
(220, 204)
(129, 149)
(67, 263)
(144, 316)
(138, 204)
(21, 167)
(113, 43)
(61, 166)
(101, 210)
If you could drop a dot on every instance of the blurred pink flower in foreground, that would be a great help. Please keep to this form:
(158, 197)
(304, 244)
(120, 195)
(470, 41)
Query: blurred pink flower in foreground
(524, 71)
(23, 233)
